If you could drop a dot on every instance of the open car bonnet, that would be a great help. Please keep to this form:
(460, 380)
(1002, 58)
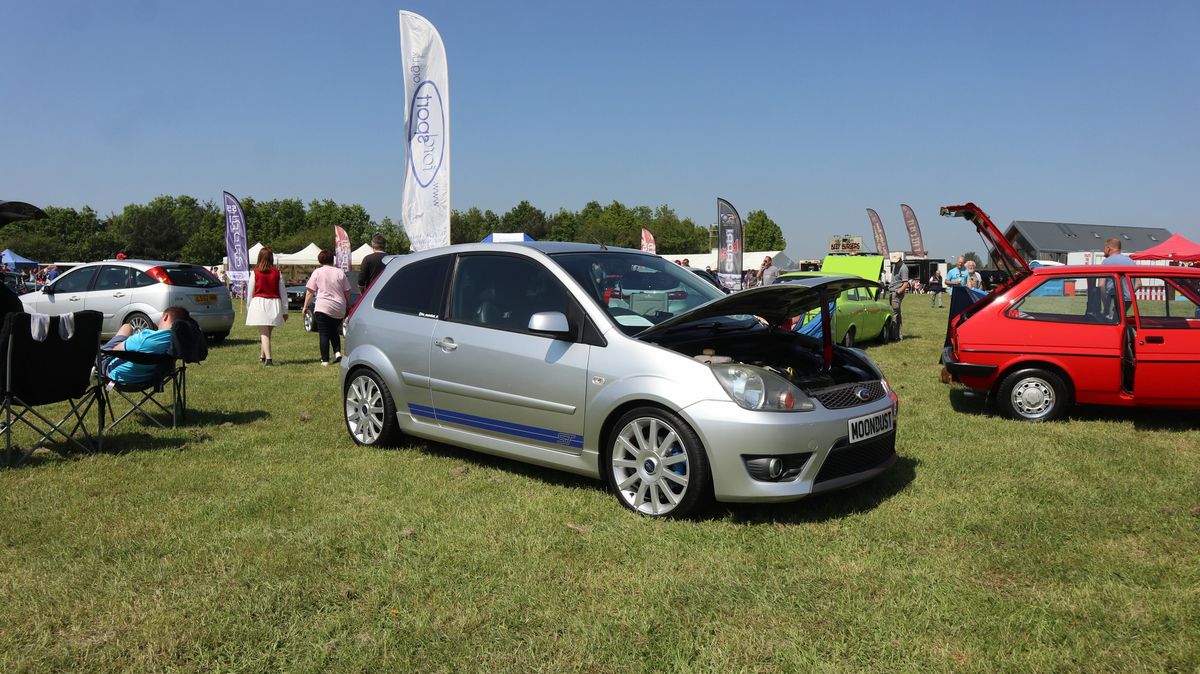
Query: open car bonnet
(774, 303)
(1002, 250)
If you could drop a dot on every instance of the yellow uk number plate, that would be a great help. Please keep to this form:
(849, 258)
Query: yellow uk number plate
(205, 299)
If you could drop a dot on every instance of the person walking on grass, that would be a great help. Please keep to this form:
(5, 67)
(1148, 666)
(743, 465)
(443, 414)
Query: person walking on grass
(372, 264)
(935, 289)
(898, 287)
(266, 307)
(330, 289)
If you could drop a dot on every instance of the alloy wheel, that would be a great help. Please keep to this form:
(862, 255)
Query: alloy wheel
(650, 466)
(365, 409)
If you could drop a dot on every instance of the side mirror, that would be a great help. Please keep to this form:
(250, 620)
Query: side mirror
(48, 289)
(550, 323)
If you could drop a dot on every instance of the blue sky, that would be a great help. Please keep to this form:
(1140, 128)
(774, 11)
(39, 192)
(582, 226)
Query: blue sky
(1070, 111)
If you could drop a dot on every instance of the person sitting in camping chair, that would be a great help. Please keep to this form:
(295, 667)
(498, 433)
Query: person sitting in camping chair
(158, 341)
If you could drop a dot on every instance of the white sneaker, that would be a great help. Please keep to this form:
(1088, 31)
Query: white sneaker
(337, 355)
(325, 362)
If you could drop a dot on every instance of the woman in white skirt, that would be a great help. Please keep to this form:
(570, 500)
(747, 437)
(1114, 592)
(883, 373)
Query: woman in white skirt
(266, 305)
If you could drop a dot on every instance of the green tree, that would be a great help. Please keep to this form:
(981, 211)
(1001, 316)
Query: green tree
(762, 233)
(524, 217)
(473, 225)
(970, 256)
(397, 240)
(563, 225)
(150, 231)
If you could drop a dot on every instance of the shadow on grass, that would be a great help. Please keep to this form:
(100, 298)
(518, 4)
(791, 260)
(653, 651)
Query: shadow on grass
(823, 507)
(967, 401)
(229, 341)
(479, 459)
(198, 418)
(858, 499)
(115, 443)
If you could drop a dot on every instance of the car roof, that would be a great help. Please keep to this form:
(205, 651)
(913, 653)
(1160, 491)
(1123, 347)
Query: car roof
(143, 264)
(1073, 270)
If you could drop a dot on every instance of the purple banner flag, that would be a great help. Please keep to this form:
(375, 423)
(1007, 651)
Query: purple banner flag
(238, 269)
(729, 245)
(881, 246)
(914, 231)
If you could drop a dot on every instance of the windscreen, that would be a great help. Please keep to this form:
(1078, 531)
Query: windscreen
(191, 276)
(637, 290)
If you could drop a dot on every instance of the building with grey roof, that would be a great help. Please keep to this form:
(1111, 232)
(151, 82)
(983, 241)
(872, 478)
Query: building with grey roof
(1053, 240)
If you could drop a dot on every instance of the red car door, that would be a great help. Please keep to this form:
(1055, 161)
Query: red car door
(1167, 344)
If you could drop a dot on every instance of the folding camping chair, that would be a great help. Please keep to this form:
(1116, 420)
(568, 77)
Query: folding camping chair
(54, 369)
(187, 346)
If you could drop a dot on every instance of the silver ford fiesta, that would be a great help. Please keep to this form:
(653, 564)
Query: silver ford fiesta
(616, 364)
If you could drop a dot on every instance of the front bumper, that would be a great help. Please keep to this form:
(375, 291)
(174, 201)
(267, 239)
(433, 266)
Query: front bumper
(819, 439)
(960, 369)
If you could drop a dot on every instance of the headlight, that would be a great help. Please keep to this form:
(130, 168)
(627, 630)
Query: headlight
(757, 389)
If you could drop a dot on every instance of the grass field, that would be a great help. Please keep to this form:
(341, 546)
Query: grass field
(259, 537)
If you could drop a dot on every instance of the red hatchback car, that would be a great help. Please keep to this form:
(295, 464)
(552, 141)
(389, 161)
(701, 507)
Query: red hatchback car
(1099, 334)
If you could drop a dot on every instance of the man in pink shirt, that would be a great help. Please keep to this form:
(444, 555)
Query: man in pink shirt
(330, 288)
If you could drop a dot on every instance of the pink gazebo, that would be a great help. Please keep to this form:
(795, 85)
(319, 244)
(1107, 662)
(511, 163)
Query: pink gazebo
(1176, 249)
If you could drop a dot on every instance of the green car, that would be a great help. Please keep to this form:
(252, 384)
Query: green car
(860, 314)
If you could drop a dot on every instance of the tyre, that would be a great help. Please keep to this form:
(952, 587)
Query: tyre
(656, 466)
(308, 321)
(217, 337)
(370, 410)
(139, 321)
(1033, 395)
(848, 340)
(885, 335)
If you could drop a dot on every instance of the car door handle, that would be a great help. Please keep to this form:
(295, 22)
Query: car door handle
(447, 345)
(75, 298)
(118, 294)
(1154, 339)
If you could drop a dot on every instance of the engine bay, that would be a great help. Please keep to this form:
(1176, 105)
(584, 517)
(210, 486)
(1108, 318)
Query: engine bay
(792, 356)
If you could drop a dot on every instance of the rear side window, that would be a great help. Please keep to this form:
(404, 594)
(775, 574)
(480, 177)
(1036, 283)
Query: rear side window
(418, 288)
(77, 281)
(142, 279)
(191, 277)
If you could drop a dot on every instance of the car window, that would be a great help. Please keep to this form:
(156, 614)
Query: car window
(417, 288)
(504, 291)
(1071, 299)
(1168, 303)
(76, 281)
(636, 290)
(112, 278)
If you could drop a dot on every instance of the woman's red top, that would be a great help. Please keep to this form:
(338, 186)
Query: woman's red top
(266, 284)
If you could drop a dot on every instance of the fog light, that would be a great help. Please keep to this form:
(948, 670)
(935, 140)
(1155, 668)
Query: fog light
(774, 469)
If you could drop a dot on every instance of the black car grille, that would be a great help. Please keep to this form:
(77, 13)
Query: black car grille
(846, 459)
(846, 395)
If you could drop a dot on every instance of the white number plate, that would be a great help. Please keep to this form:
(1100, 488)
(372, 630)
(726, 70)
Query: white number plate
(864, 428)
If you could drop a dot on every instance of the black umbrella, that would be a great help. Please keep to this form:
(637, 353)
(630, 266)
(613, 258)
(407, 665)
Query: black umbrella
(15, 211)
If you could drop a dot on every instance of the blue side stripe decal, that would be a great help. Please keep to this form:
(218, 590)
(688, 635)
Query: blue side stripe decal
(546, 435)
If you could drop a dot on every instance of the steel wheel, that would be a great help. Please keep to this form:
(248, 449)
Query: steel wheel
(848, 340)
(1033, 395)
(370, 411)
(308, 321)
(656, 464)
(139, 322)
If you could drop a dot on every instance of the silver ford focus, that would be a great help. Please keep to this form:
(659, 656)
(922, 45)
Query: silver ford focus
(619, 365)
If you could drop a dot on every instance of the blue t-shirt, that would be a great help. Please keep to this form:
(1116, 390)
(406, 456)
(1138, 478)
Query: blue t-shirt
(1119, 258)
(146, 341)
(956, 274)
